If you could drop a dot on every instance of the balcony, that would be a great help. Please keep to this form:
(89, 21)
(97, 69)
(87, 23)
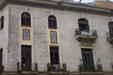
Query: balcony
(109, 37)
(86, 36)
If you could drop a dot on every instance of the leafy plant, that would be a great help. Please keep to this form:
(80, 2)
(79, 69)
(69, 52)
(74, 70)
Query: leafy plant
(51, 68)
(99, 67)
(81, 68)
(64, 67)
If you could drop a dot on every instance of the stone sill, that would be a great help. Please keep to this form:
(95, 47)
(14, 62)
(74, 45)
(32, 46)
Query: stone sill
(57, 73)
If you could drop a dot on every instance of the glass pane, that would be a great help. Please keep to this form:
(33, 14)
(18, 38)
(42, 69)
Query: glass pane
(52, 22)
(26, 19)
(26, 34)
(53, 37)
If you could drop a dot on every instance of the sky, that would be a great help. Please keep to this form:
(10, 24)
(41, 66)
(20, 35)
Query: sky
(86, 1)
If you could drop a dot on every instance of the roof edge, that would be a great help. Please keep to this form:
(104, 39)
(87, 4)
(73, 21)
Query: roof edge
(56, 4)
(3, 3)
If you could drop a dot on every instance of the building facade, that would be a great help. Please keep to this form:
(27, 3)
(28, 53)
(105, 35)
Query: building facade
(38, 34)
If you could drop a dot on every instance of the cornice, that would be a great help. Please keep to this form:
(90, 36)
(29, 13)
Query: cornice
(60, 5)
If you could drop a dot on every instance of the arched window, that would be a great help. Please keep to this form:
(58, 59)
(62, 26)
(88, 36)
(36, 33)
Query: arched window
(83, 25)
(25, 19)
(111, 28)
(52, 23)
(2, 22)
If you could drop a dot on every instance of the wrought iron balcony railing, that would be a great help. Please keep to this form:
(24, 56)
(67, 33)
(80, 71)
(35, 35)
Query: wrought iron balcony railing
(86, 44)
(56, 67)
(86, 36)
(96, 68)
(19, 67)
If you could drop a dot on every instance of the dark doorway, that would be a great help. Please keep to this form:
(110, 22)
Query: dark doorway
(54, 55)
(87, 57)
(26, 57)
(1, 57)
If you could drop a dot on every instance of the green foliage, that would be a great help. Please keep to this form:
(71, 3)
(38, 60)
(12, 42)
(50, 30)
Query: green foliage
(99, 67)
(81, 68)
(51, 68)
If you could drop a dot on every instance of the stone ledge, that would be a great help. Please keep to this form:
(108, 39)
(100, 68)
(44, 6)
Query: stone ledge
(57, 73)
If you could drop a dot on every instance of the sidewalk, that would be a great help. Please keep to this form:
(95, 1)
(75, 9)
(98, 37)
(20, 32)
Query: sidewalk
(57, 73)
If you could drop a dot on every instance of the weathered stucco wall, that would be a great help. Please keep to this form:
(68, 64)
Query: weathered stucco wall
(14, 39)
(4, 36)
(67, 22)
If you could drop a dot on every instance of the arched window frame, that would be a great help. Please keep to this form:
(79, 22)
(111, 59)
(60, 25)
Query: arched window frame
(83, 25)
(2, 22)
(26, 19)
(110, 25)
(53, 40)
(52, 22)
